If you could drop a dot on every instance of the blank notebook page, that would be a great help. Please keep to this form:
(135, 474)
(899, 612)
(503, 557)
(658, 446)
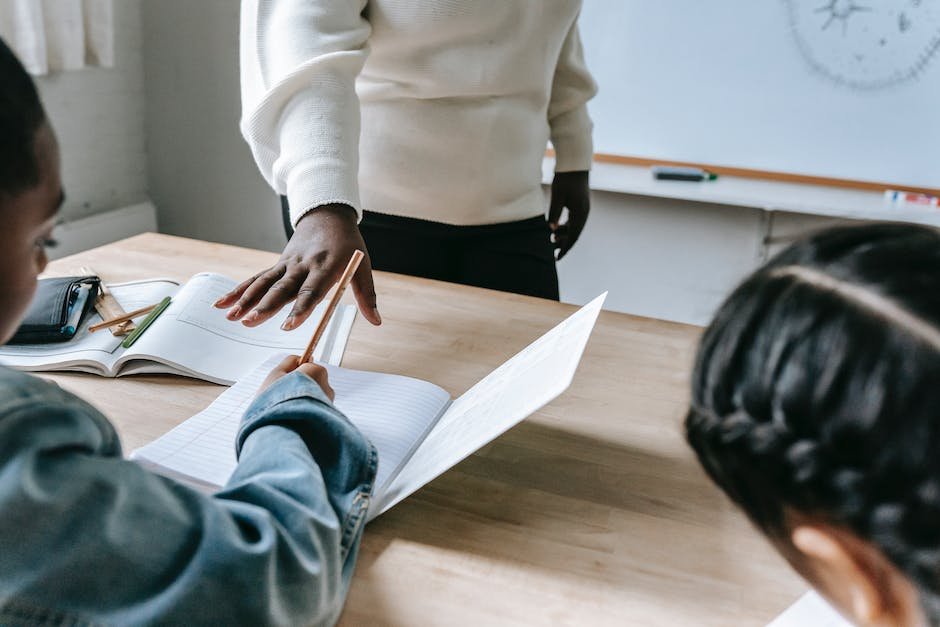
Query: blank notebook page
(810, 611)
(394, 412)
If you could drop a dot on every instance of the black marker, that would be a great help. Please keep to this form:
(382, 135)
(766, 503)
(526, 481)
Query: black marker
(671, 173)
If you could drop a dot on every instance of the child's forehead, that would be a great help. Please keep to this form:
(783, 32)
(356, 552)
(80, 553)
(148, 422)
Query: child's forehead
(32, 207)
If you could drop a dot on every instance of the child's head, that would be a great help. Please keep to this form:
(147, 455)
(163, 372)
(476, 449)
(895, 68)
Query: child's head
(816, 408)
(30, 190)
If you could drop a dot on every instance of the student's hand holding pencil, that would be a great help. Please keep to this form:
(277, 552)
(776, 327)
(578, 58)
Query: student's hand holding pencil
(292, 364)
(311, 262)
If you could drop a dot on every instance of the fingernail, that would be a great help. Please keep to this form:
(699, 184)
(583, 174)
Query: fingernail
(288, 324)
(234, 313)
(250, 318)
(218, 303)
(378, 316)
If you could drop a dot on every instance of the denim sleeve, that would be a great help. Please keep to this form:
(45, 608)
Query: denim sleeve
(88, 537)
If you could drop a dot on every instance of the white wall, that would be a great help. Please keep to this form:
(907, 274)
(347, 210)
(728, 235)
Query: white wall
(202, 177)
(661, 258)
(673, 259)
(98, 115)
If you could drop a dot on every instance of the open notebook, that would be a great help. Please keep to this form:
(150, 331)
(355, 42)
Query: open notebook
(191, 338)
(418, 430)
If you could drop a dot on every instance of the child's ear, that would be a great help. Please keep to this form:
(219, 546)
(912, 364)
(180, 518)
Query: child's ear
(857, 577)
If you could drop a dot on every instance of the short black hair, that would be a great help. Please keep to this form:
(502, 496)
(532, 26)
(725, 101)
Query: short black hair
(21, 116)
(816, 390)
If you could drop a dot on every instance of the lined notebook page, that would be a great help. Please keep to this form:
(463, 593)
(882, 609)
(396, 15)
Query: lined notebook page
(203, 447)
(394, 412)
(518, 388)
(194, 336)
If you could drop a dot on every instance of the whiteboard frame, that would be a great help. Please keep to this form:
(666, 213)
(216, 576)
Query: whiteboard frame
(756, 193)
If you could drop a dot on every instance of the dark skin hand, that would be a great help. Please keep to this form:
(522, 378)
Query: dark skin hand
(310, 265)
(292, 364)
(569, 191)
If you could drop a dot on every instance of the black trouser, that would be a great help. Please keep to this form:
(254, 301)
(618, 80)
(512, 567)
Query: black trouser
(511, 257)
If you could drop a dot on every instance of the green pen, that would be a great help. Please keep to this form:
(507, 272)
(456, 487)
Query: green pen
(145, 323)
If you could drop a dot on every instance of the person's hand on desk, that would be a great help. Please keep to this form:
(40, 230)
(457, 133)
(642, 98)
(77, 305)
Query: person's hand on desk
(291, 364)
(569, 190)
(311, 263)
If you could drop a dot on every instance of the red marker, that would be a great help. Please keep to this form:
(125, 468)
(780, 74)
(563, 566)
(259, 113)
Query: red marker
(911, 199)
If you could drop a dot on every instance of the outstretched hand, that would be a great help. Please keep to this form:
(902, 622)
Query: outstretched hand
(569, 190)
(311, 263)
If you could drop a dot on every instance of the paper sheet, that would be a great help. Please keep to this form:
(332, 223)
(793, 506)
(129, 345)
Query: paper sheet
(203, 447)
(394, 412)
(509, 394)
(403, 417)
(810, 611)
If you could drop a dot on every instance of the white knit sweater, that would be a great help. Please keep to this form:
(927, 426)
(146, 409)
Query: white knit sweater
(456, 100)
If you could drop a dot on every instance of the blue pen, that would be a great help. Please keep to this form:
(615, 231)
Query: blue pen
(77, 309)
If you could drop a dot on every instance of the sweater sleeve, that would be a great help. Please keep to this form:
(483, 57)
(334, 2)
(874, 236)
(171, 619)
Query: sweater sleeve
(572, 87)
(300, 112)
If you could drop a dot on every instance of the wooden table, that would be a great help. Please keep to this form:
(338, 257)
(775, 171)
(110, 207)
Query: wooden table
(591, 512)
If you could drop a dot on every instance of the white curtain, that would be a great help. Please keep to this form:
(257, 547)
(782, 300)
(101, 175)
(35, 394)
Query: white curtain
(56, 35)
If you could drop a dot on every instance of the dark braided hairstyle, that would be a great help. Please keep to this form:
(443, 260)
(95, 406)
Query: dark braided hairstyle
(21, 116)
(817, 390)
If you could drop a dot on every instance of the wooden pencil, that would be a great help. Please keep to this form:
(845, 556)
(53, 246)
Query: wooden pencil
(121, 319)
(107, 306)
(344, 280)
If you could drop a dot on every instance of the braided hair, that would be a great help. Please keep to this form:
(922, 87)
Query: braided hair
(816, 390)
(21, 116)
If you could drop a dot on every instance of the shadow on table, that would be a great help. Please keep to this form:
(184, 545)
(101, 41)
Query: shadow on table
(569, 506)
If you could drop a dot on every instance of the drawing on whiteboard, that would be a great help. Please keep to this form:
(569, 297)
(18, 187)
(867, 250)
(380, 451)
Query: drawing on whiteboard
(841, 10)
(867, 45)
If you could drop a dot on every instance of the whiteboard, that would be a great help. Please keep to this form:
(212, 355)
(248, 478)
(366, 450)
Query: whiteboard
(834, 88)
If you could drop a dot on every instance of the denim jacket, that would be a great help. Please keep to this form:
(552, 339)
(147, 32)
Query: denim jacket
(89, 538)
